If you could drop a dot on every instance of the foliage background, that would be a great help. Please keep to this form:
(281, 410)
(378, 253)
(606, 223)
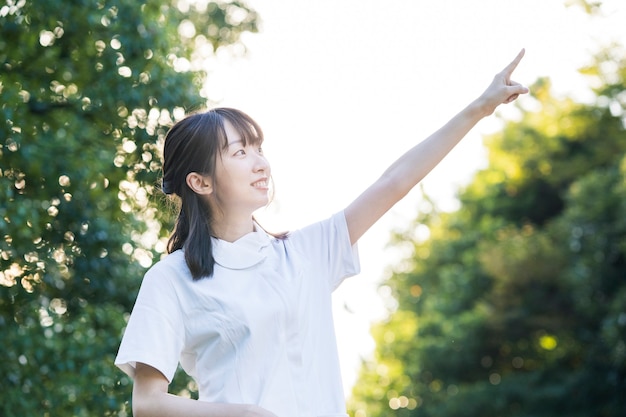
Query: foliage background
(87, 91)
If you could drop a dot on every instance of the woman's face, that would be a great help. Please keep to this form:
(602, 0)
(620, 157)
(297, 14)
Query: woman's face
(242, 175)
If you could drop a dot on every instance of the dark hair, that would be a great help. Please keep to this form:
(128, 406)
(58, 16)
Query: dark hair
(193, 145)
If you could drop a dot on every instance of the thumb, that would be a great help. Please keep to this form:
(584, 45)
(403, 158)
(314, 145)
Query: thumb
(514, 90)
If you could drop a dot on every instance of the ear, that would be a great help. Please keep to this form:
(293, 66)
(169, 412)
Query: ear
(199, 184)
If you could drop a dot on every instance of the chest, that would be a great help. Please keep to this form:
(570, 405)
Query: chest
(259, 305)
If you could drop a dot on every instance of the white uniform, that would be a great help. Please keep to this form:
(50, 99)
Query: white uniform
(260, 330)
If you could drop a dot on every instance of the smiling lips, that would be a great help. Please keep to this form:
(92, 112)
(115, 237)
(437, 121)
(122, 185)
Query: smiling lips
(262, 183)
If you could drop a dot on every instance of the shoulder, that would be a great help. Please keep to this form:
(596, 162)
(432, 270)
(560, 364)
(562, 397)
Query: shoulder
(321, 230)
(172, 260)
(318, 239)
(162, 286)
(171, 268)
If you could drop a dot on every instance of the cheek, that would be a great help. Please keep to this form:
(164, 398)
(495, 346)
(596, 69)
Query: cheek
(231, 181)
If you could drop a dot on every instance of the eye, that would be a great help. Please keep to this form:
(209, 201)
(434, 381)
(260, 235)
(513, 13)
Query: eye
(240, 152)
(260, 150)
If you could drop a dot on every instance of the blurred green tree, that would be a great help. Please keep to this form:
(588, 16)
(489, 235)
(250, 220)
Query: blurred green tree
(87, 92)
(516, 303)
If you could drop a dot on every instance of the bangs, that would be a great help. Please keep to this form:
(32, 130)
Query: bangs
(248, 129)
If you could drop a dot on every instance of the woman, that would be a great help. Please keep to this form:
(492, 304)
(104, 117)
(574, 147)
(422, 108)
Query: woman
(248, 315)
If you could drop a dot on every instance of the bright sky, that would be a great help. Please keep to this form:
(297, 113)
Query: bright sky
(343, 87)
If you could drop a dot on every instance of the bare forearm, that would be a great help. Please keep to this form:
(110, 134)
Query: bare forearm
(417, 162)
(166, 405)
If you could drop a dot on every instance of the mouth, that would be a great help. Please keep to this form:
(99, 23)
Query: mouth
(260, 184)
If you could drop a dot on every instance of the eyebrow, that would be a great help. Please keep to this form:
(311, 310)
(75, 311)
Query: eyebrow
(235, 142)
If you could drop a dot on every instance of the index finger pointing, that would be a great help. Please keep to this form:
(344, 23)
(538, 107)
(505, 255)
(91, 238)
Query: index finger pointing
(508, 70)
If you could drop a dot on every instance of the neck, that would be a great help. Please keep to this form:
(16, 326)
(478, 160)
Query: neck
(231, 230)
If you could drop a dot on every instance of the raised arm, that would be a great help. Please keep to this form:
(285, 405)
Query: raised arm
(418, 161)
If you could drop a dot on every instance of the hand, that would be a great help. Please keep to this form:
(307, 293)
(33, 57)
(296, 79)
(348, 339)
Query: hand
(502, 89)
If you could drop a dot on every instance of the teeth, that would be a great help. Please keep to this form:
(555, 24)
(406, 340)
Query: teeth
(260, 184)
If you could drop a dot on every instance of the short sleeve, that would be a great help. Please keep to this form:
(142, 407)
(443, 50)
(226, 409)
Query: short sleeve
(155, 331)
(328, 243)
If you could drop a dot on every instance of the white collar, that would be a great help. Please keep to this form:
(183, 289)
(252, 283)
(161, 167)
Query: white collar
(246, 252)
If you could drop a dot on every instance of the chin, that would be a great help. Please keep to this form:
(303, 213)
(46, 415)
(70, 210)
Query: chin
(262, 204)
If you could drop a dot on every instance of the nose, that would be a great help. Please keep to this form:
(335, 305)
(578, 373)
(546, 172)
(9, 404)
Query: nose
(261, 164)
